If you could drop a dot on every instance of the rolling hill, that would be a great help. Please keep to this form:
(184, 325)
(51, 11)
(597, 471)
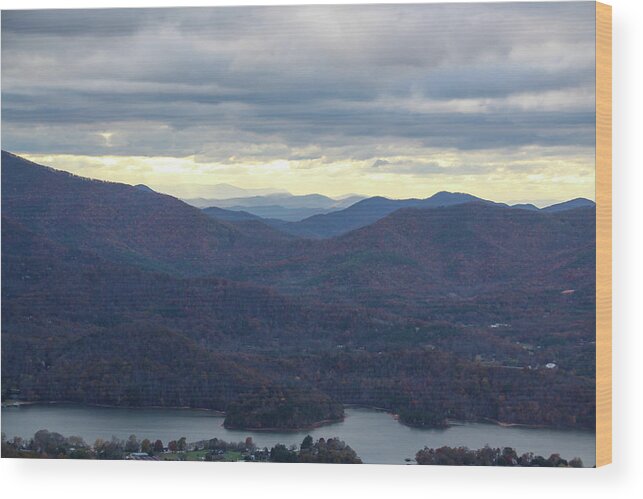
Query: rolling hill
(78, 327)
(366, 212)
(229, 215)
(280, 206)
(118, 221)
(370, 210)
(416, 253)
(569, 205)
(113, 294)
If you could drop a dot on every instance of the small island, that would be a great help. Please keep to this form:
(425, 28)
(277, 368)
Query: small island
(282, 409)
(422, 417)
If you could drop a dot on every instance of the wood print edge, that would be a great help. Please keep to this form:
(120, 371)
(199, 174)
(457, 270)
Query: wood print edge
(603, 234)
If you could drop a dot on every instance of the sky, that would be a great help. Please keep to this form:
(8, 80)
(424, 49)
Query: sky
(495, 99)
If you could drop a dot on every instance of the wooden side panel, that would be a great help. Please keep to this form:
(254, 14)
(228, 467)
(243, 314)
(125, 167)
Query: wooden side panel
(603, 234)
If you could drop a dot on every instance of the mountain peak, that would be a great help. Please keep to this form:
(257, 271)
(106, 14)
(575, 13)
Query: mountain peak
(144, 188)
(158, 230)
(452, 197)
(570, 205)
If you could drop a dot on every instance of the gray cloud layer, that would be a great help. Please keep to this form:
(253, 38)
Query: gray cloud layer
(298, 82)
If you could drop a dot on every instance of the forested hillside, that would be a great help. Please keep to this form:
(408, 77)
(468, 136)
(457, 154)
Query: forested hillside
(114, 294)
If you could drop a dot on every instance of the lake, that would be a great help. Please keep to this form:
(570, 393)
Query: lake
(376, 436)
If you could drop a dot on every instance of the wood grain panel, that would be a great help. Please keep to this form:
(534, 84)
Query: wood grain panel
(603, 234)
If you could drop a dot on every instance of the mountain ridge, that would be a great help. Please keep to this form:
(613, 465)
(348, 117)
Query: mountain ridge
(115, 295)
(369, 210)
(117, 220)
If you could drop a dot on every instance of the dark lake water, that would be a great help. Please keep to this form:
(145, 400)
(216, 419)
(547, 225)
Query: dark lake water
(376, 436)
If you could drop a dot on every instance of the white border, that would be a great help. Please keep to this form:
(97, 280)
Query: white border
(53, 479)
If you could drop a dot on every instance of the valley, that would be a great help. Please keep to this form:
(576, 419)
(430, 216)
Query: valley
(447, 308)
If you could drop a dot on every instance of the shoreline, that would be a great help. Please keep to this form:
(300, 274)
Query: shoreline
(523, 425)
(19, 403)
(371, 407)
(326, 422)
(317, 424)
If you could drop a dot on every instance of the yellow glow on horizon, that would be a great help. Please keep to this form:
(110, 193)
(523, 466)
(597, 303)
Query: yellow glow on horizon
(519, 176)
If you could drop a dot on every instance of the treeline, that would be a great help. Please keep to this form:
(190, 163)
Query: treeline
(332, 450)
(426, 388)
(150, 366)
(53, 445)
(488, 456)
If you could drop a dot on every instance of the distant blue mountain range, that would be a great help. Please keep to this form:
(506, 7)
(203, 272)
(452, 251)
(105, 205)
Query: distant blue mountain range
(332, 221)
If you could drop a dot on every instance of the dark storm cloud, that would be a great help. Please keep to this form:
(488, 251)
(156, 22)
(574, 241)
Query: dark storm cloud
(184, 81)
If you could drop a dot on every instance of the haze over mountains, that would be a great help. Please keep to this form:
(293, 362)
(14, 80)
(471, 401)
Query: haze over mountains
(116, 294)
(317, 216)
(202, 192)
(282, 206)
(332, 218)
